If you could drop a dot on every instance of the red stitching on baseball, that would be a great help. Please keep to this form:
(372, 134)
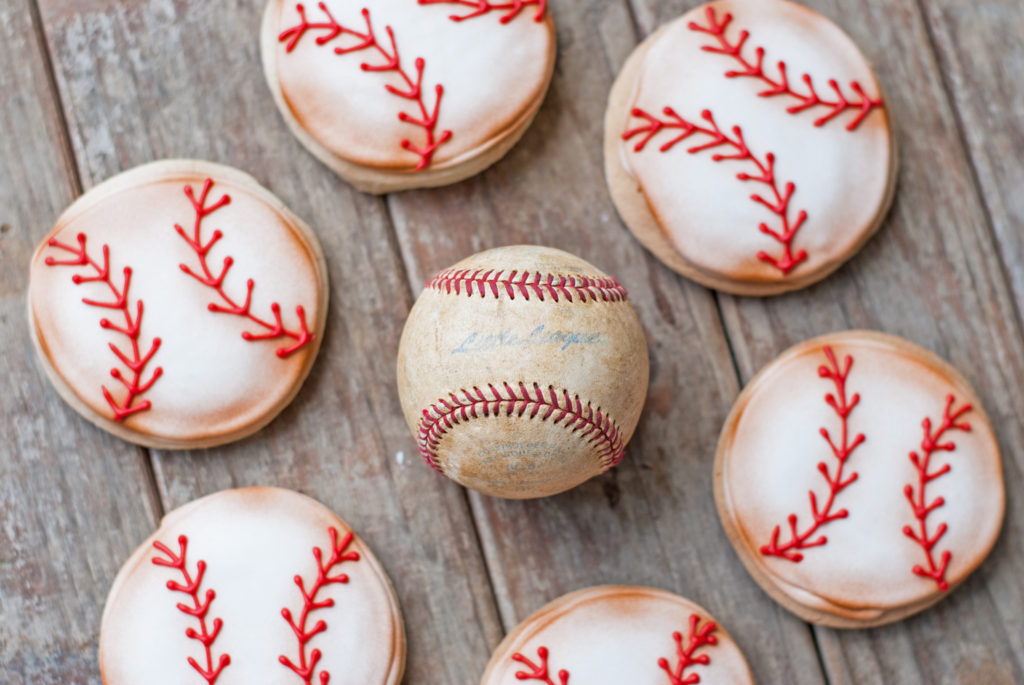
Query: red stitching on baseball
(199, 609)
(482, 7)
(134, 360)
(840, 104)
(778, 205)
(842, 406)
(930, 445)
(307, 663)
(594, 425)
(700, 635)
(526, 284)
(274, 330)
(368, 41)
(539, 671)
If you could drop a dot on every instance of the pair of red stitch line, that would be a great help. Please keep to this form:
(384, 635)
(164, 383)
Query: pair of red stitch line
(274, 330)
(307, 663)
(482, 7)
(778, 201)
(427, 119)
(563, 409)
(863, 104)
(199, 609)
(524, 283)
(931, 443)
(134, 359)
(842, 405)
(686, 656)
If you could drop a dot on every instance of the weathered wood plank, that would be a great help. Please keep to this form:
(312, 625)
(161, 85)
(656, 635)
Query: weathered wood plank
(64, 527)
(981, 54)
(651, 520)
(160, 78)
(933, 275)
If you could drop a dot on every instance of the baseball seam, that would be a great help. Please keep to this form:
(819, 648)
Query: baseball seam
(527, 284)
(564, 409)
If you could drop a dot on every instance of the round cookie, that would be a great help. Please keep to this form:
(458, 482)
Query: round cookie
(258, 585)
(178, 304)
(859, 479)
(611, 635)
(522, 371)
(400, 94)
(748, 147)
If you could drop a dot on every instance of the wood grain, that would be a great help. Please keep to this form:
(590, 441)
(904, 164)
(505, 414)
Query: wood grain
(63, 528)
(651, 520)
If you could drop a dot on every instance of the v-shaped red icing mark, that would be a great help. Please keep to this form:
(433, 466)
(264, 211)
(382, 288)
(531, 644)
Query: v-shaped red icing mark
(191, 586)
(930, 444)
(273, 330)
(842, 404)
(426, 115)
(512, 8)
(133, 358)
(700, 635)
(305, 668)
(859, 102)
(778, 196)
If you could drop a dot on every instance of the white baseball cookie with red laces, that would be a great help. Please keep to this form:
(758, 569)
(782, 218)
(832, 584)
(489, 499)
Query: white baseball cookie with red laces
(612, 635)
(397, 94)
(178, 304)
(747, 144)
(522, 371)
(859, 479)
(258, 585)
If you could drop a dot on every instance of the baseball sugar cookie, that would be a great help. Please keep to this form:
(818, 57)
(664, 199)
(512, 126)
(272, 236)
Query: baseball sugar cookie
(398, 94)
(178, 304)
(522, 371)
(258, 585)
(613, 635)
(859, 479)
(748, 146)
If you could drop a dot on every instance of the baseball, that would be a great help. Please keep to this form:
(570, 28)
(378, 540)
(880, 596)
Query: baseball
(522, 372)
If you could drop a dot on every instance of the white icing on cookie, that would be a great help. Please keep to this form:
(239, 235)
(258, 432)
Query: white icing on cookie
(253, 542)
(213, 382)
(841, 177)
(492, 74)
(770, 462)
(614, 634)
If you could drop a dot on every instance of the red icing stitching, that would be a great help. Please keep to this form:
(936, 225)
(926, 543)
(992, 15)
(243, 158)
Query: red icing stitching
(700, 635)
(594, 425)
(524, 283)
(779, 205)
(929, 445)
(539, 671)
(368, 41)
(307, 663)
(842, 406)
(135, 360)
(199, 609)
(274, 330)
(782, 86)
(482, 7)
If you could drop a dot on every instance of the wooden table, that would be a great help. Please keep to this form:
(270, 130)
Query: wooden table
(91, 87)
